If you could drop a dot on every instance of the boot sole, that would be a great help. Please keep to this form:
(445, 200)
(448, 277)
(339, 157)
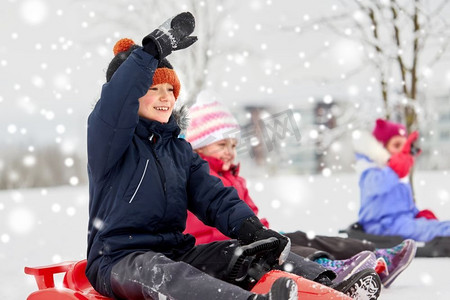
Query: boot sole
(365, 286)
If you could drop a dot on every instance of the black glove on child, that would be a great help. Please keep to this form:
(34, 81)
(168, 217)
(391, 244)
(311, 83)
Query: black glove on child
(253, 230)
(172, 35)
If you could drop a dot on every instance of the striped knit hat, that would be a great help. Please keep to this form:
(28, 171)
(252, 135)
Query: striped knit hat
(210, 123)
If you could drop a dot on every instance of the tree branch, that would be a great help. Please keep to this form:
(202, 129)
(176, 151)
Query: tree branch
(397, 41)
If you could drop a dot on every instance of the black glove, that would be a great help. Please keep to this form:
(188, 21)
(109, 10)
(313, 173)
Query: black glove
(172, 35)
(253, 230)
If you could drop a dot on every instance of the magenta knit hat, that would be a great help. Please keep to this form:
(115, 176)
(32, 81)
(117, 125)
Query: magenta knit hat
(210, 123)
(384, 130)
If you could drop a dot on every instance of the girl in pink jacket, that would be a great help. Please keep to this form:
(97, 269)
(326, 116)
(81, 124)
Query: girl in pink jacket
(206, 234)
(214, 135)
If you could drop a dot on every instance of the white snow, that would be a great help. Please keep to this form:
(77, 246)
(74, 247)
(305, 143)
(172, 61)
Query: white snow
(46, 226)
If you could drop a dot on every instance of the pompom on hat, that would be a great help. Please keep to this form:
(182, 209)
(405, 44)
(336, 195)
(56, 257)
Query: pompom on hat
(163, 74)
(210, 123)
(122, 45)
(384, 130)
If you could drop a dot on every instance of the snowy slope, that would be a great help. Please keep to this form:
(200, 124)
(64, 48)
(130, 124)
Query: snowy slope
(44, 226)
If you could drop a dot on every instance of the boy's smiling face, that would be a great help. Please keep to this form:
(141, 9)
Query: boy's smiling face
(158, 103)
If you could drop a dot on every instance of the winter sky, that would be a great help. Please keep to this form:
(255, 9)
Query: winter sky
(54, 55)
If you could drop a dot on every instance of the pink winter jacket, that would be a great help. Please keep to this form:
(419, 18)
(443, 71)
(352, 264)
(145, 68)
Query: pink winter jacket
(206, 234)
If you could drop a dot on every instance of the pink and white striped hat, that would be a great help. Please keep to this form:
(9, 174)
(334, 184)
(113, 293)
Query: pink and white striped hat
(210, 123)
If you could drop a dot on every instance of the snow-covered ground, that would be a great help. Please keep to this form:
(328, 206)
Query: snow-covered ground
(44, 226)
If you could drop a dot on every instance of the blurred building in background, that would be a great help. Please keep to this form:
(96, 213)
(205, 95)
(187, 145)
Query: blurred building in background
(325, 142)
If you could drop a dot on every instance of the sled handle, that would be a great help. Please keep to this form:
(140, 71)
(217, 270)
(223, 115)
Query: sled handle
(44, 275)
(254, 251)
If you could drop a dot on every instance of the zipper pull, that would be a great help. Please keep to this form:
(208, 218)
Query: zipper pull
(151, 137)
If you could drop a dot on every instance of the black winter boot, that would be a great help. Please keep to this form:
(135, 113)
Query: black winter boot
(283, 288)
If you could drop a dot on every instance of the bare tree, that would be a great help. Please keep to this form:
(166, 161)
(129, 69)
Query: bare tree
(142, 16)
(402, 39)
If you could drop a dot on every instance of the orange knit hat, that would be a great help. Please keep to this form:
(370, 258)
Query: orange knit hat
(163, 74)
(166, 75)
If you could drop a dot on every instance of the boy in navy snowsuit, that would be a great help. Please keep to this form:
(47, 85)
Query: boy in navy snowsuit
(143, 179)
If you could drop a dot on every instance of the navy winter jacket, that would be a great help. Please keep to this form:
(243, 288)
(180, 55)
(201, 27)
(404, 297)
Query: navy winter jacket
(143, 179)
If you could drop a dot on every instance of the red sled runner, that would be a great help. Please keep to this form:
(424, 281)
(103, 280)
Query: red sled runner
(75, 285)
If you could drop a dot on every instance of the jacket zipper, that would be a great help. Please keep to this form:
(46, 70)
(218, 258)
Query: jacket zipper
(162, 175)
(140, 181)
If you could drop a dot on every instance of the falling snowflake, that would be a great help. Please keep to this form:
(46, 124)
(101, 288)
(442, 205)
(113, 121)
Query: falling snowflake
(34, 11)
(21, 220)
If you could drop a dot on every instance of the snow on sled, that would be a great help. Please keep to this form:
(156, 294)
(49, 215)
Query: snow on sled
(75, 285)
(437, 247)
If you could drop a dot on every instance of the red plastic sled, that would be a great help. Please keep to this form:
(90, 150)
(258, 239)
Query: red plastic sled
(75, 285)
(307, 289)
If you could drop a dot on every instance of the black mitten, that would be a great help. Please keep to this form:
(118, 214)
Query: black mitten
(172, 35)
(253, 230)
